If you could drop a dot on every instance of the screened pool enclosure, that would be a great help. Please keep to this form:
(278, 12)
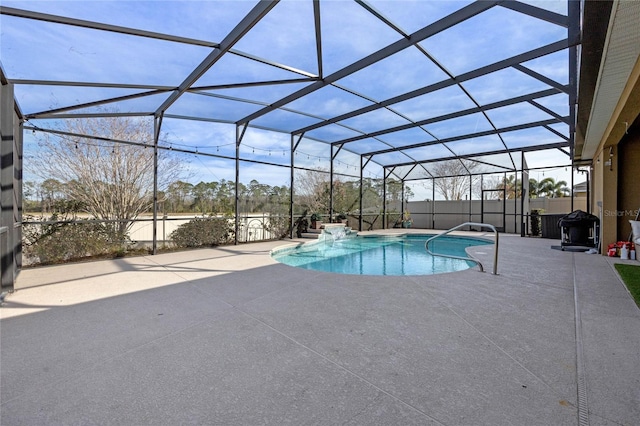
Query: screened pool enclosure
(386, 98)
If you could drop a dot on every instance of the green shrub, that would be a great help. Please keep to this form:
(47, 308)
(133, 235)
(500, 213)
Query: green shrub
(279, 226)
(535, 222)
(203, 232)
(56, 242)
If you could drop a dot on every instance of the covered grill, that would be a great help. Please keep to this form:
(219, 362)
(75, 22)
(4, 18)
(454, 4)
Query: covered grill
(579, 228)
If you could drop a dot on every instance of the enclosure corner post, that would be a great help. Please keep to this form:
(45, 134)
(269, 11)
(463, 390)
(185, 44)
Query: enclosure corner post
(331, 185)
(524, 192)
(291, 178)
(157, 124)
(236, 208)
(402, 201)
(361, 193)
(384, 198)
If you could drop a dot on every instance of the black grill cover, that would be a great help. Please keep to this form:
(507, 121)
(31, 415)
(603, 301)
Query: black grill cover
(578, 218)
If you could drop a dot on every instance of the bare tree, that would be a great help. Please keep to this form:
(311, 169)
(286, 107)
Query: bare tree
(111, 181)
(452, 178)
(310, 190)
(312, 193)
(492, 183)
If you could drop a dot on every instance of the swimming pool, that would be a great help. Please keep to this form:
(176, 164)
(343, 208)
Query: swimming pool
(380, 255)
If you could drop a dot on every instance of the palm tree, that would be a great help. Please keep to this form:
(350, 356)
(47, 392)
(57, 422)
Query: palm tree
(534, 188)
(510, 186)
(552, 189)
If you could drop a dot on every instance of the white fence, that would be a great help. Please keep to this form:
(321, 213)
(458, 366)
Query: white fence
(252, 228)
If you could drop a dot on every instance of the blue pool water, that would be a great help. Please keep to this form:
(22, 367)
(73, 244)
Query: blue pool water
(380, 255)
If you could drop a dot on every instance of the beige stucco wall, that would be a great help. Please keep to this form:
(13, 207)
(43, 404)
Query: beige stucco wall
(628, 183)
(447, 214)
(616, 166)
(558, 205)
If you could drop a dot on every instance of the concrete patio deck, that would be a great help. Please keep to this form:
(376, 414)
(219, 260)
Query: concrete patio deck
(228, 336)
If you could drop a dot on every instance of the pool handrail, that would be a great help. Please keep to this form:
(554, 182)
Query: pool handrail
(476, 261)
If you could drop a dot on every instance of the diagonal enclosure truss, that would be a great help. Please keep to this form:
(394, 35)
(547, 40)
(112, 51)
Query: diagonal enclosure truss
(396, 85)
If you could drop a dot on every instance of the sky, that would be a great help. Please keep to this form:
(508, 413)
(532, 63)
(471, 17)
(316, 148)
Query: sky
(36, 50)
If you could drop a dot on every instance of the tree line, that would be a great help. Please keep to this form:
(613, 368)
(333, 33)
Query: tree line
(218, 197)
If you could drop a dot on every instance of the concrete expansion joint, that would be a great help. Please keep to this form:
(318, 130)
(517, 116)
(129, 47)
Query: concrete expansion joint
(339, 366)
(581, 383)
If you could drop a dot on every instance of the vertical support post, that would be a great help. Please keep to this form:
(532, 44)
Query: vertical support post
(18, 193)
(333, 157)
(402, 203)
(572, 183)
(504, 203)
(523, 193)
(481, 198)
(331, 185)
(588, 174)
(470, 195)
(157, 123)
(361, 204)
(291, 177)
(515, 203)
(7, 145)
(294, 147)
(384, 198)
(236, 224)
(433, 207)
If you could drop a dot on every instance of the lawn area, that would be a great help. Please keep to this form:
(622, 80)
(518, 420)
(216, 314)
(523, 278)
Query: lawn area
(631, 276)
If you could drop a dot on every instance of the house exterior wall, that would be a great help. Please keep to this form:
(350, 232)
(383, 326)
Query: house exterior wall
(615, 182)
(628, 182)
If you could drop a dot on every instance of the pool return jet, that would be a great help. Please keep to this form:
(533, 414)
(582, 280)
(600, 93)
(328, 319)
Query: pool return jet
(336, 232)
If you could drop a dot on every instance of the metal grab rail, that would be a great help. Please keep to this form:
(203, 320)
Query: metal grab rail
(485, 225)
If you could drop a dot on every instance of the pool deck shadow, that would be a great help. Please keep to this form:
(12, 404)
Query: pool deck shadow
(228, 336)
